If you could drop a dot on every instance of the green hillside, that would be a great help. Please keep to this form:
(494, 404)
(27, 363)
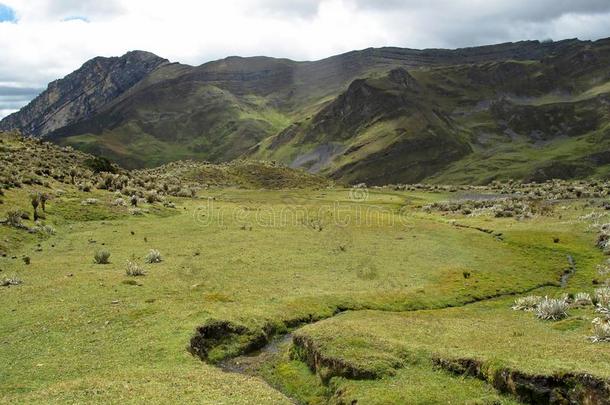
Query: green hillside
(525, 110)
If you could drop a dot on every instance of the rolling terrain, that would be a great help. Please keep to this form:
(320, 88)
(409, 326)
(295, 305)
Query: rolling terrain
(249, 282)
(526, 110)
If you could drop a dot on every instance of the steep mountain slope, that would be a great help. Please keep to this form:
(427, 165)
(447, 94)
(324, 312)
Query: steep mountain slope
(528, 110)
(466, 123)
(82, 93)
(379, 130)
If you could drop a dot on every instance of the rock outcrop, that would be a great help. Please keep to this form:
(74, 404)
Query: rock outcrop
(82, 93)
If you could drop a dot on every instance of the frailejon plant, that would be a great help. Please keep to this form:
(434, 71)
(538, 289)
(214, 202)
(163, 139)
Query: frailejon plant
(601, 330)
(582, 299)
(133, 269)
(552, 309)
(9, 281)
(153, 256)
(602, 296)
(528, 303)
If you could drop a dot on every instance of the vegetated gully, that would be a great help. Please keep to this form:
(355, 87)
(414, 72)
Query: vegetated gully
(255, 348)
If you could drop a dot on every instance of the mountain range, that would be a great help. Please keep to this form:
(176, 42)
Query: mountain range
(528, 110)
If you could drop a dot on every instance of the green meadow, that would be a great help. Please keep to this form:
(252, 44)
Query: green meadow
(367, 278)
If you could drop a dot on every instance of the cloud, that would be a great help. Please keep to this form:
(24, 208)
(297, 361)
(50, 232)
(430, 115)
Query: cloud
(8, 90)
(295, 8)
(43, 40)
(13, 98)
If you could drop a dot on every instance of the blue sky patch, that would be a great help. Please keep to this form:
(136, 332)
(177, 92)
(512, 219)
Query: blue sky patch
(7, 14)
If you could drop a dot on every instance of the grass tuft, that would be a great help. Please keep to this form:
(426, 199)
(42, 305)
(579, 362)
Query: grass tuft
(101, 257)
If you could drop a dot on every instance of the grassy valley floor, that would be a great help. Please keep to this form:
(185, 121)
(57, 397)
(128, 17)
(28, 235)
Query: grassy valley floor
(267, 262)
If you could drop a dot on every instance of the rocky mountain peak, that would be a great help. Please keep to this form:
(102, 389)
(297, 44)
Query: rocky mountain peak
(83, 92)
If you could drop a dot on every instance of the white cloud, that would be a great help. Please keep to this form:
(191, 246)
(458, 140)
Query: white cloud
(54, 37)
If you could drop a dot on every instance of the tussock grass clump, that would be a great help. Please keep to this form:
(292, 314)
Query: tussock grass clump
(101, 257)
(9, 281)
(153, 256)
(133, 269)
(552, 309)
(528, 303)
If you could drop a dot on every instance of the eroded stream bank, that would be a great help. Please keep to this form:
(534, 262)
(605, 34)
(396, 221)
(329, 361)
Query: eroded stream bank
(252, 350)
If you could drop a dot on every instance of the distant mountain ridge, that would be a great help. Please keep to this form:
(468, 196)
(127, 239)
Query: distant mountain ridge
(526, 110)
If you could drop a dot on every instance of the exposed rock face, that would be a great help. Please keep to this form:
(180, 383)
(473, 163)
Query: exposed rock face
(82, 93)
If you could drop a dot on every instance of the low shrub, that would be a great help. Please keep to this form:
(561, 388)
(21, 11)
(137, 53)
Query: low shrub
(100, 164)
(151, 197)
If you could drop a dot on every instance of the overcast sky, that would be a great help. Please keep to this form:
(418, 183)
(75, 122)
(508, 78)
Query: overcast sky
(42, 40)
